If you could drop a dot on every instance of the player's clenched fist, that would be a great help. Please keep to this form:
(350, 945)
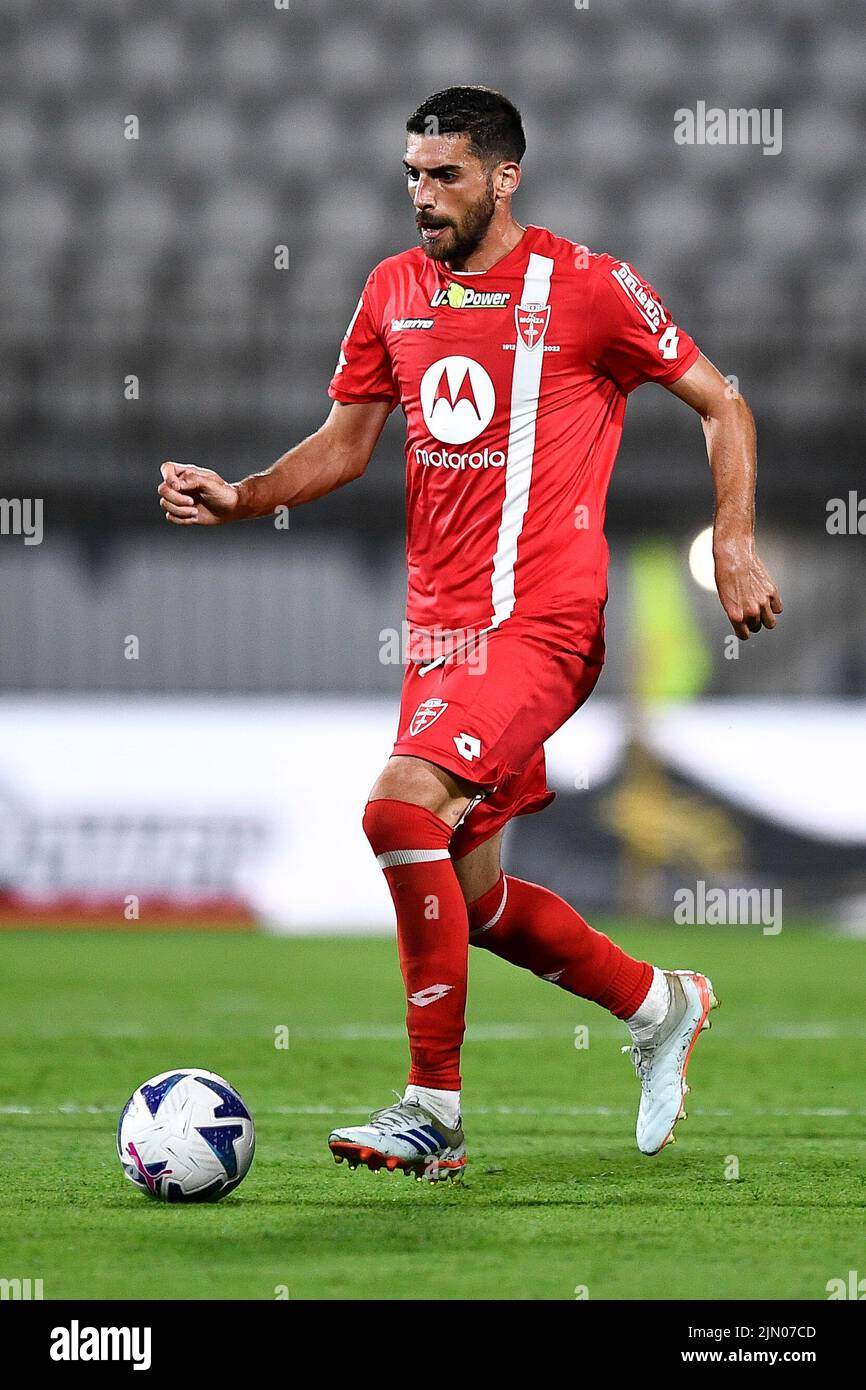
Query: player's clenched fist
(748, 594)
(192, 496)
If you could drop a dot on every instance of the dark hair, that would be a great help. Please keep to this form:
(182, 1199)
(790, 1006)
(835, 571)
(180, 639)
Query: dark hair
(490, 120)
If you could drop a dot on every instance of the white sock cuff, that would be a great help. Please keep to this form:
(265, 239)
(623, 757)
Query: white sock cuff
(655, 1005)
(445, 1105)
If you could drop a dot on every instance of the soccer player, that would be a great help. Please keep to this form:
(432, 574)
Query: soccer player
(512, 352)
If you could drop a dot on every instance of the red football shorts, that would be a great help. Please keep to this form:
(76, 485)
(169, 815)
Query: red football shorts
(484, 717)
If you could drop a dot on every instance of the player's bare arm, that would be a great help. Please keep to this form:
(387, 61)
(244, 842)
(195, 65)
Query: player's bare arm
(337, 453)
(746, 590)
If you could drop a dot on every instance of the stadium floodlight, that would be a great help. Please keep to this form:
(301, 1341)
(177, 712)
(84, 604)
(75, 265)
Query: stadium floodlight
(701, 561)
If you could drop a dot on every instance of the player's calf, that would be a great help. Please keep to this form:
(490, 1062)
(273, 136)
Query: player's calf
(411, 845)
(664, 1010)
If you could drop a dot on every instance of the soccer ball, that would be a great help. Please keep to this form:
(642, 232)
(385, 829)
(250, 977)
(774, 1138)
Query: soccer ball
(186, 1136)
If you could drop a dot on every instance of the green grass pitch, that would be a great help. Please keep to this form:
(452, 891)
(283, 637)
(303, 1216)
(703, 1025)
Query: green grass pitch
(556, 1197)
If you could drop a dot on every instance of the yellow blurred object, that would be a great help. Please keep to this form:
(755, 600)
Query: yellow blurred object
(670, 655)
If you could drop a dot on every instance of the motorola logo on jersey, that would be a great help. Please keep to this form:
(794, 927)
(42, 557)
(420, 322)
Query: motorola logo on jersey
(457, 399)
(480, 458)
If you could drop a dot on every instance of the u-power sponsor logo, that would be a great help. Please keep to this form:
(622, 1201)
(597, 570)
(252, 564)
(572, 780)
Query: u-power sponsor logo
(457, 296)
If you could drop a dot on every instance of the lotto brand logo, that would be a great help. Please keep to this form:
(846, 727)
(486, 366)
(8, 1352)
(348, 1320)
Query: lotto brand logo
(401, 325)
(649, 308)
(427, 713)
(342, 361)
(457, 399)
(423, 997)
(464, 297)
(468, 746)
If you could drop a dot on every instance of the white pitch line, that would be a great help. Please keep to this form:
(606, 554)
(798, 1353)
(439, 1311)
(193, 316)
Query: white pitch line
(581, 1111)
(813, 1032)
(567, 1111)
(483, 1032)
(396, 1032)
(520, 1032)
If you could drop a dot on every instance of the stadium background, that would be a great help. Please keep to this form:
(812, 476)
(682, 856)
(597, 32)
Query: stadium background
(148, 313)
(189, 722)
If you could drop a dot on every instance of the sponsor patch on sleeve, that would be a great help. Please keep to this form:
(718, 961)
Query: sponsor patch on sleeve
(641, 296)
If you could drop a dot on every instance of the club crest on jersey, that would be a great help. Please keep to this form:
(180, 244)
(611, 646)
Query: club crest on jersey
(427, 713)
(532, 321)
(464, 297)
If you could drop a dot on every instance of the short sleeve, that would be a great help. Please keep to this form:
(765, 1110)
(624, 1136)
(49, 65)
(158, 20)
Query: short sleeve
(363, 371)
(632, 336)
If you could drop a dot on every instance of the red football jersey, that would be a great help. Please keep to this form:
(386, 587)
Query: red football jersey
(513, 382)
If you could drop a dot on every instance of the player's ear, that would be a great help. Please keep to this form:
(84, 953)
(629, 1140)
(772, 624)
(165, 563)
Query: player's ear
(506, 178)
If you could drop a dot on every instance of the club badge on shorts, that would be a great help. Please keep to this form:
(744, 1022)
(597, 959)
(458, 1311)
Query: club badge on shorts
(427, 713)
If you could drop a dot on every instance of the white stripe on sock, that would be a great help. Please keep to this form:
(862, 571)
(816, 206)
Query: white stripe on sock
(497, 914)
(410, 856)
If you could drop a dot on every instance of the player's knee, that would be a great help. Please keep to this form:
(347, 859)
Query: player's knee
(423, 784)
(379, 822)
(400, 828)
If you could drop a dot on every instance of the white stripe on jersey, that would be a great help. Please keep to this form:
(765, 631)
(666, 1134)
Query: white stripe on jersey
(525, 387)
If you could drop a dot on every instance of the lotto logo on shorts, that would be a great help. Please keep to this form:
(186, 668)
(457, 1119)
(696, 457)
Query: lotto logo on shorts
(427, 713)
(467, 746)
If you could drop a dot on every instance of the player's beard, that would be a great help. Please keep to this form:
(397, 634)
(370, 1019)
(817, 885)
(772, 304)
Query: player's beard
(459, 241)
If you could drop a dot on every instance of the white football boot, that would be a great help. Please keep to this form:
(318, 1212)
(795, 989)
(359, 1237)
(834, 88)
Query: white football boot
(661, 1062)
(404, 1136)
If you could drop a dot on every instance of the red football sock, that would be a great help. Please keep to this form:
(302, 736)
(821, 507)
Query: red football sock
(411, 845)
(533, 928)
